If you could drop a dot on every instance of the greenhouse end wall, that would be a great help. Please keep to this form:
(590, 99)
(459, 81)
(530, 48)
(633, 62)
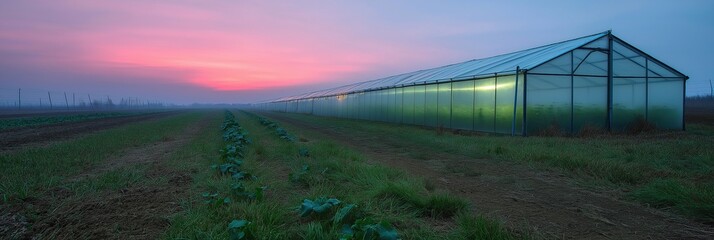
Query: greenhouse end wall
(570, 92)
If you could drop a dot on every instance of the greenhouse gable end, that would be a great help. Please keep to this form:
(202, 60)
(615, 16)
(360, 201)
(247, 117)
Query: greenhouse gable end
(593, 82)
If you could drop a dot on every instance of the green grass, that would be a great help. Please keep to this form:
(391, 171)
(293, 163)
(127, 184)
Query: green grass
(637, 164)
(479, 227)
(46, 120)
(31, 171)
(110, 180)
(380, 193)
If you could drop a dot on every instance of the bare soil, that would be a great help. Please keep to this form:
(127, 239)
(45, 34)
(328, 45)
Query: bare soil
(702, 113)
(140, 211)
(17, 138)
(523, 197)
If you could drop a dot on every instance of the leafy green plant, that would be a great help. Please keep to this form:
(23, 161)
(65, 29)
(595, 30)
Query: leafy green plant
(368, 229)
(214, 199)
(232, 150)
(304, 152)
(283, 134)
(318, 206)
(238, 229)
(298, 177)
(238, 190)
(243, 175)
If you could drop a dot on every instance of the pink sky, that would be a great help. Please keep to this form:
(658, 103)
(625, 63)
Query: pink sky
(225, 51)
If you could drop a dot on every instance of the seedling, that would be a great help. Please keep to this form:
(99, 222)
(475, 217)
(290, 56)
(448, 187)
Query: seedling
(214, 199)
(297, 177)
(239, 191)
(304, 152)
(367, 229)
(237, 229)
(318, 206)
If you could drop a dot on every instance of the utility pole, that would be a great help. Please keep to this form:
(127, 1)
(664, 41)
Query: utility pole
(90, 101)
(74, 104)
(66, 103)
(19, 104)
(50, 97)
(711, 88)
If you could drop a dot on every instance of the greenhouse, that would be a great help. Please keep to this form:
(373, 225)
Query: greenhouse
(592, 82)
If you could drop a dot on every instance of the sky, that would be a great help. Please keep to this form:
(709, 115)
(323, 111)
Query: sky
(186, 52)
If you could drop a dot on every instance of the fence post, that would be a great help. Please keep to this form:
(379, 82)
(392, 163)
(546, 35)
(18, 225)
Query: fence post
(66, 103)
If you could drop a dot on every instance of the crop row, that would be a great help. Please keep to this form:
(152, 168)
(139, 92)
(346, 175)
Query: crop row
(282, 133)
(350, 222)
(232, 157)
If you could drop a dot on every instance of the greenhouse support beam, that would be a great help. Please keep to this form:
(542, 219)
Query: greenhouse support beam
(525, 108)
(609, 81)
(515, 104)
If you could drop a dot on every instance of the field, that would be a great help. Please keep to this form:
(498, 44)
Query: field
(241, 174)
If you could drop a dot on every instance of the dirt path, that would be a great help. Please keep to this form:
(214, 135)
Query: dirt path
(545, 201)
(17, 138)
(140, 211)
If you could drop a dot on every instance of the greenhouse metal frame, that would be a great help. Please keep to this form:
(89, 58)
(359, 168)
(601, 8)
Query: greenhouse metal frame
(593, 82)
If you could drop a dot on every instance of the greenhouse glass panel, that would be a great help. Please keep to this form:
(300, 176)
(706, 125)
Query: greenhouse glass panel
(398, 101)
(519, 106)
(484, 104)
(408, 105)
(328, 107)
(599, 43)
(589, 103)
(334, 104)
(373, 107)
(384, 105)
(505, 96)
(444, 105)
(665, 105)
(430, 107)
(360, 105)
(626, 62)
(292, 106)
(589, 62)
(391, 106)
(419, 102)
(357, 105)
(346, 105)
(353, 107)
(560, 65)
(341, 106)
(549, 103)
(656, 70)
(316, 106)
(463, 105)
(323, 107)
(628, 102)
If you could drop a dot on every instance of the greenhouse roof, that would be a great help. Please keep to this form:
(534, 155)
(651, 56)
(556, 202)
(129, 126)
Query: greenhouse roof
(501, 64)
